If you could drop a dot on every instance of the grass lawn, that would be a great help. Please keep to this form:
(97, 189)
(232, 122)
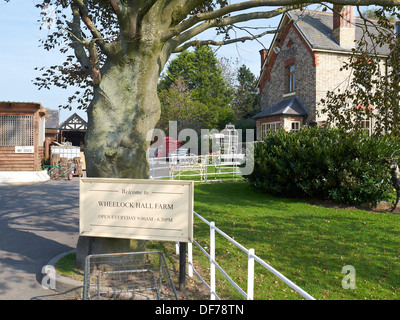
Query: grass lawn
(308, 244)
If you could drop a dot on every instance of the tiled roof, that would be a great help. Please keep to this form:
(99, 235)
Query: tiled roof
(52, 122)
(27, 102)
(288, 106)
(316, 28)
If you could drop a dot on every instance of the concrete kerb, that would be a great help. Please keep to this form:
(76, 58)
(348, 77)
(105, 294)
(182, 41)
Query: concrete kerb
(13, 178)
(64, 284)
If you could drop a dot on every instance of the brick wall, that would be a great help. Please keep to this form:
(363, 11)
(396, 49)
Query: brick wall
(265, 120)
(305, 73)
(316, 73)
(329, 76)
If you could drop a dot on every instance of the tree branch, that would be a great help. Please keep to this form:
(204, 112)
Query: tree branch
(184, 8)
(117, 6)
(180, 39)
(78, 45)
(187, 24)
(94, 59)
(222, 42)
(190, 22)
(97, 36)
(91, 62)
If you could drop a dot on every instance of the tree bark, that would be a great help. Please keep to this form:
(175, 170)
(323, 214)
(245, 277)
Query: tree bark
(125, 107)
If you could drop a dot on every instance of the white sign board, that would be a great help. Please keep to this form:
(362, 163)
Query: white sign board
(24, 149)
(136, 209)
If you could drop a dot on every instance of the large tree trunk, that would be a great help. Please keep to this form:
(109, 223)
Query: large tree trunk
(125, 107)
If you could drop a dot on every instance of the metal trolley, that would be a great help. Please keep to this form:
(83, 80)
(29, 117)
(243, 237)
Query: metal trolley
(56, 172)
(128, 276)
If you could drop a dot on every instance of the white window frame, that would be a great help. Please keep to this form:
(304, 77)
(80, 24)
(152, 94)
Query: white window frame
(298, 125)
(291, 78)
(366, 124)
(268, 127)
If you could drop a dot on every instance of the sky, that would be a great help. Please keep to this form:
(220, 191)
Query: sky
(20, 54)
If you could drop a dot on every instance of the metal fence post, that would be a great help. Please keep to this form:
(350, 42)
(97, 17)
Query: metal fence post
(250, 275)
(212, 260)
(86, 281)
(252, 258)
(206, 164)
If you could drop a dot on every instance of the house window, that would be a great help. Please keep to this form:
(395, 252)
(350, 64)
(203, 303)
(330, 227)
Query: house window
(295, 126)
(269, 127)
(290, 78)
(366, 124)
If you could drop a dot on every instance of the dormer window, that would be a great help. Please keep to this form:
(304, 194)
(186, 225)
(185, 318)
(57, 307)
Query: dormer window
(290, 78)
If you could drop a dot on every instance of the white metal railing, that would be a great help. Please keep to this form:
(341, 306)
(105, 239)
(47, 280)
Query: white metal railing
(226, 167)
(251, 258)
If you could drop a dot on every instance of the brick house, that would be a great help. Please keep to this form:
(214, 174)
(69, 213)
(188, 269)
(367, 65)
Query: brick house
(302, 64)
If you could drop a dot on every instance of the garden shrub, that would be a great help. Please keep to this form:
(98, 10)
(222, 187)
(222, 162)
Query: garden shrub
(324, 163)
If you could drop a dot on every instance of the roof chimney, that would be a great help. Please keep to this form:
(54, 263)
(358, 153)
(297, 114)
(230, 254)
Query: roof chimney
(343, 26)
(263, 55)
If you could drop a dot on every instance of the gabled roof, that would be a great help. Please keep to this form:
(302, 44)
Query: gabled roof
(288, 106)
(316, 28)
(74, 123)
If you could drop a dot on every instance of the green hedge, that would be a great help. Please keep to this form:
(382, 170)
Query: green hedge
(324, 163)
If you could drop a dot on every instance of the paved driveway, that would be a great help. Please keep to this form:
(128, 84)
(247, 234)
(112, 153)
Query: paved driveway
(37, 222)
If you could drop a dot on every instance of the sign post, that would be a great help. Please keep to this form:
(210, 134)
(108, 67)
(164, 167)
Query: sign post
(182, 266)
(136, 209)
